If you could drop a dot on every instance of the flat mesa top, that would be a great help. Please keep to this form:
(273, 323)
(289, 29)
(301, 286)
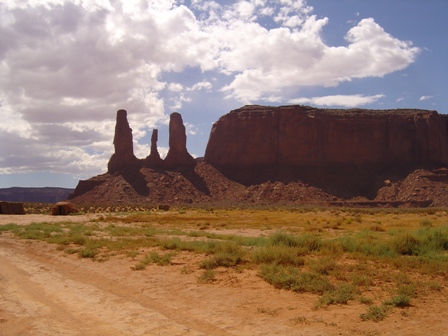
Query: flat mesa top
(340, 112)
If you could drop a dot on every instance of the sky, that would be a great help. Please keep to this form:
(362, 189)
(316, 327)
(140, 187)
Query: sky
(66, 67)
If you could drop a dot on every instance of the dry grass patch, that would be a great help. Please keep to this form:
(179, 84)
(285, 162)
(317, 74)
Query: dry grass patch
(381, 258)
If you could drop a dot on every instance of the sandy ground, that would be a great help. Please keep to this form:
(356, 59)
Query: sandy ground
(44, 291)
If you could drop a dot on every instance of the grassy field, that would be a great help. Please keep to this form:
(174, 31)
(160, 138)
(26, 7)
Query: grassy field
(383, 258)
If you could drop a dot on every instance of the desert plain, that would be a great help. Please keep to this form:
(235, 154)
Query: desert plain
(186, 271)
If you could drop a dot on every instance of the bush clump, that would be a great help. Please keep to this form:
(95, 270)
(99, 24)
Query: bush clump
(406, 244)
(340, 294)
(292, 279)
(279, 255)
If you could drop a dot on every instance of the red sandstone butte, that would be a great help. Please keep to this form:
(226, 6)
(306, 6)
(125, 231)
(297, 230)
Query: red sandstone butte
(301, 136)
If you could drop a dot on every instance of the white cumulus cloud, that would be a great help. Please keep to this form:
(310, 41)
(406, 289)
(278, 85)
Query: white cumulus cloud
(338, 100)
(67, 66)
(283, 58)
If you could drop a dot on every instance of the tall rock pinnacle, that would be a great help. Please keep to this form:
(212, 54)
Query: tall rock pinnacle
(124, 150)
(178, 155)
(154, 160)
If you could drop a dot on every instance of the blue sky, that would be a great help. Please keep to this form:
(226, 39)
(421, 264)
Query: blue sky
(66, 67)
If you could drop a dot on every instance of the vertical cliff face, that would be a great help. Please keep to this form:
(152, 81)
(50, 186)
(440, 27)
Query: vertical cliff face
(178, 155)
(124, 149)
(306, 137)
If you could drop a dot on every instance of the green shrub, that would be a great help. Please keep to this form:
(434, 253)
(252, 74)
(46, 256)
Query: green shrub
(161, 259)
(331, 247)
(78, 240)
(367, 243)
(401, 300)
(365, 300)
(281, 255)
(323, 265)
(87, 252)
(60, 239)
(341, 294)
(307, 242)
(432, 240)
(208, 276)
(227, 247)
(284, 239)
(407, 289)
(176, 244)
(222, 259)
(406, 244)
(361, 280)
(375, 313)
(154, 257)
(291, 279)
(225, 254)
(310, 242)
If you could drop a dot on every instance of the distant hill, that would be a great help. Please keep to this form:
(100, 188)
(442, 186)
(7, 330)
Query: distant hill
(44, 195)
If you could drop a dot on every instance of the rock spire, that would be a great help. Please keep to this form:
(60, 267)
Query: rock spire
(124, 149)
(124, 160)
(178, 155)
(154, 160)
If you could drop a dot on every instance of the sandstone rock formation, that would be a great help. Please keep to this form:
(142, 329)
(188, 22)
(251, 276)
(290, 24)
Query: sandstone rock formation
(296, 136)
(318, 144)
(154, 160)
(124, 157)
(178, 155)
(291, 155)
(124, 161)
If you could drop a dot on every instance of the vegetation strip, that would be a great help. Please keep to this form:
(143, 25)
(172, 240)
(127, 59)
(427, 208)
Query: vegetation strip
(402, 254)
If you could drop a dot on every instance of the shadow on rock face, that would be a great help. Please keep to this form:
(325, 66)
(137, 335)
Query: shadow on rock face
(196, 180)
(345, 182)
(136, 179)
